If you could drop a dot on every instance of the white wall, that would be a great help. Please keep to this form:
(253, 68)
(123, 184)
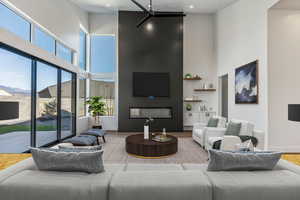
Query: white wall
(60, 17)
(284, 70)
(242, 38)
(199, 58)
(107, 24)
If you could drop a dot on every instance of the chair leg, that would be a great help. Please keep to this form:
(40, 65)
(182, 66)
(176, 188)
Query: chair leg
(103, 139)
(98, 143)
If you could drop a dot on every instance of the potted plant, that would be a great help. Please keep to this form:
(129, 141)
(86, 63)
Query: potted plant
(96, 107)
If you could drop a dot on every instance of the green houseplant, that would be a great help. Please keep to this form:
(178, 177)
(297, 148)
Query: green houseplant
(96, 107)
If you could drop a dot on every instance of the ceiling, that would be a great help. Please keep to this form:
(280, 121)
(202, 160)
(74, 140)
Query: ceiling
(288, 4)
(188, 6)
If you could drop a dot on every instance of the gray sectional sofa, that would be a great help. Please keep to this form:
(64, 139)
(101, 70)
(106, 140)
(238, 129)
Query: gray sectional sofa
(150, 182)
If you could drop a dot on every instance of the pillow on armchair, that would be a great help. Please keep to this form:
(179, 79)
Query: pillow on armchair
(213, 122)
(233, 129)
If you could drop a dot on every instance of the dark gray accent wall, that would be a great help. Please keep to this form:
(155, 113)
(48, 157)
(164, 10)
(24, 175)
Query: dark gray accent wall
(151, 48)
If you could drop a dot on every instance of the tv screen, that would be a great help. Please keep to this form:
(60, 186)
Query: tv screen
(151, 84)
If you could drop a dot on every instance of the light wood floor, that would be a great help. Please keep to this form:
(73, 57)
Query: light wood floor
(188, 152)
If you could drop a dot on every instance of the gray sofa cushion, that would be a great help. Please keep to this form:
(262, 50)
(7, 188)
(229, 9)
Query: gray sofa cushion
(258, 185)
(45, 185)
(153, 167)
(160, 185)
(242, 161)
(61, 160)
(195, 167)
(27, 164)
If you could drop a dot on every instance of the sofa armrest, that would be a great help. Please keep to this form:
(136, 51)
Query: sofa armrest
(286, 165)
(260, 136)
(215, 132)
(199, 125)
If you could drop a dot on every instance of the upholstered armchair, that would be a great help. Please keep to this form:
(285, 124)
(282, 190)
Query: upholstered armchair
(247, 129)
(200, 130)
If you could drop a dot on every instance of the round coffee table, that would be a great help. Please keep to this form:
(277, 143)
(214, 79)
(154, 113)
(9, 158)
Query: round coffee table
(137, 146)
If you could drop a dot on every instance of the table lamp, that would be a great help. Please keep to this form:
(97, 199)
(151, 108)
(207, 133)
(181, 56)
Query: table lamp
(294, 112)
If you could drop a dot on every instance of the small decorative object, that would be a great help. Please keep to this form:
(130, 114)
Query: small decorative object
(246, 84)
(204, 86)
(188, 107)
(211, 86)
(188, 76)
(164, 132)
(196, 76)
(96, 108)
(147, 131)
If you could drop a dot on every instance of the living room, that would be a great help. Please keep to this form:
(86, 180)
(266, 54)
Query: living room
(126, 97)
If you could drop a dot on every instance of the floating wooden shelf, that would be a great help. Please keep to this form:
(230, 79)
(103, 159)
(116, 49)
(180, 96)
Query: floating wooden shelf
(192, 79)
(192, 101)
(205, 90)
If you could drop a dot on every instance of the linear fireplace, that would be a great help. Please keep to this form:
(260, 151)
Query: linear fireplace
(150, 112)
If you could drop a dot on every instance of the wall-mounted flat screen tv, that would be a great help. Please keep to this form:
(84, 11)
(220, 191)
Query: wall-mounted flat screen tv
(151, 84)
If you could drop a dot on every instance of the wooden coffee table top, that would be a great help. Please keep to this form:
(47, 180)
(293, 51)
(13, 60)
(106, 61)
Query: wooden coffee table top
(138, 146)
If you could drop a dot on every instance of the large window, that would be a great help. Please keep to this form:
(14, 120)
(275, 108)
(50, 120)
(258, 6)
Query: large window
(103, 66)
(105, 89)
(15, 102)
(82, 97)
(43, 40)
(103, 54)
(14, 23)
(46, 108)
(37, 104)
(67, 104)
(63, 52)
(82, 50)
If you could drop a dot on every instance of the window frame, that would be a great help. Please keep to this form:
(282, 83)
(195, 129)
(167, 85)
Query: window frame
(33, 24)
(97, 76)
(34, 92)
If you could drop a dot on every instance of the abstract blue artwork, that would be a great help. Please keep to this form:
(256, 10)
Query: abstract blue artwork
(246, 84)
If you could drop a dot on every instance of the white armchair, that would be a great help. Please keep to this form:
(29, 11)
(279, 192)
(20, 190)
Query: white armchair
(200, 130)
(246, 129)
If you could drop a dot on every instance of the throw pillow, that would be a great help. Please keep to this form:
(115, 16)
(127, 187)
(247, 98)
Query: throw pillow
(88, 161)
(213, 122)
(239, 161)
(233, 129)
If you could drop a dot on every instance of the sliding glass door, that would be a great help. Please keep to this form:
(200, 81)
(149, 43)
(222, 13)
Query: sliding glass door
(15, 102)
(67, 104)
(37, 102)
(46, 104)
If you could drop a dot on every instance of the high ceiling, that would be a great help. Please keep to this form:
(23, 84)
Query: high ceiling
(188, 6)
(288, 4)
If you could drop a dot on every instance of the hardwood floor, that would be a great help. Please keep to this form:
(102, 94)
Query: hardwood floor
(114, 152)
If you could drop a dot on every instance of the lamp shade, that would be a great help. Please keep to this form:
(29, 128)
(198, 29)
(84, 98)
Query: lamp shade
(294, 112)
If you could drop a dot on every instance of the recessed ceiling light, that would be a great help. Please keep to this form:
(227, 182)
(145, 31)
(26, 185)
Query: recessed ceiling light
(107, 5)
(149, 6)
(191, 6)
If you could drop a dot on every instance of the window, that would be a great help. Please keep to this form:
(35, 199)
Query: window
(103, 64)
(14, 23)
(67, 103)
(82, 97)
(103, 55)
(82, 50)
(15, 102)
(46, 108)
(63, 52)
(43, 40)
(105, 89)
